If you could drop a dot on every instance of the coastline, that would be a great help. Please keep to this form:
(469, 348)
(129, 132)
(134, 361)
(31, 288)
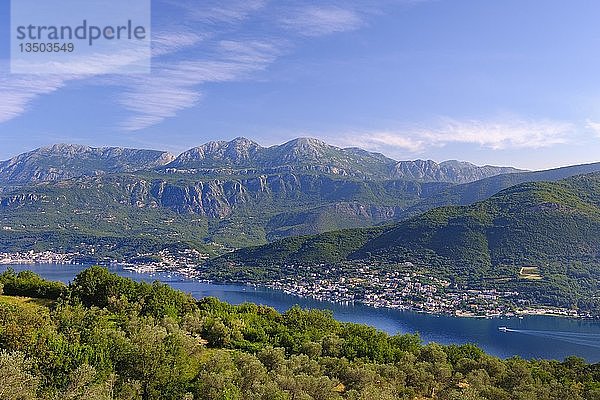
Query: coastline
(191, 273)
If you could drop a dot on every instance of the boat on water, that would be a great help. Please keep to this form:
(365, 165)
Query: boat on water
(503, 329)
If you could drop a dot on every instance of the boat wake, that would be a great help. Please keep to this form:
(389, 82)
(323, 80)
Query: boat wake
(582, 339)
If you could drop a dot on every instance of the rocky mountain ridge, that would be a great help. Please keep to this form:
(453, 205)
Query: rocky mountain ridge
(65, 161)
(240, 156)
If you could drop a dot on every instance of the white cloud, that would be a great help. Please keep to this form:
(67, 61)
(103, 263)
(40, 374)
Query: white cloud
(174, 82)
(183, 59)
(380, 140)
(217, 11)
(17, 92)
(491, 134)
(174, 87)
(322, 20)
(171, 42)
(594, 126)
(500, 134)
(89, 66)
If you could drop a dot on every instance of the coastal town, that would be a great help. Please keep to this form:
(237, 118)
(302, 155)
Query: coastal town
(400, 287)
(403, 288)
(183, 260)
(32, 257)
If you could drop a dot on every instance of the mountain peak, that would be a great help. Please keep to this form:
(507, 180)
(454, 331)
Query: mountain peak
(242, 141)
(305, 142)
(303, 150)
(65, 161)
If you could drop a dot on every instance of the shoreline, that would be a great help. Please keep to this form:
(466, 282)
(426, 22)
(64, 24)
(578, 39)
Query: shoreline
(190, 273)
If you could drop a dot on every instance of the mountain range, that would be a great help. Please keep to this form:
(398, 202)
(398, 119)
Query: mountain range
(240, 156)
(225, 195)
(63, 161)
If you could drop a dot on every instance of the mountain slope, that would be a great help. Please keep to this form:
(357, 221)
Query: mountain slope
(241, 193)
(234, 213)
(305, 154)
(64, 161)
(536, 222)
(302, 187)
(240, 156)
(552, 227)
(532, 223)
(447, 171)
(482, 189)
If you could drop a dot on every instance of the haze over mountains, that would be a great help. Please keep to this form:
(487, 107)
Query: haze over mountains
(232, 194)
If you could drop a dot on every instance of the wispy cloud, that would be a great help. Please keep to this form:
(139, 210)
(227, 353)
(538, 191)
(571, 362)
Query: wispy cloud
(167, 42)
(17, 92)
(196, 51)
(501, 134)
(322, 20)
(184, 58)
(217, 11)
(380, 140)
(594, 126)
(175, 87)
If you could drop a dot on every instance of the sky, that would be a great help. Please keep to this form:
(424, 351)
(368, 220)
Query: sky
(510, 82)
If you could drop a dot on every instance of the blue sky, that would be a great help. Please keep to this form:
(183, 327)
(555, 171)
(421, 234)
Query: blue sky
(510, 82)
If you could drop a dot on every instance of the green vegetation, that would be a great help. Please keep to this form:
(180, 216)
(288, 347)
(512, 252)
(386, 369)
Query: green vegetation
(28, 284)
(552, 226)
(125, 203)
(30, 303)
(139, 213)
(469, 193)
(107, 337)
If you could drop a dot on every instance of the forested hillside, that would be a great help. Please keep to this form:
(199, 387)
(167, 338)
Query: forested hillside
(532, 223)
(106, 337)
(528, 223)
(553, 227)
(469, 193)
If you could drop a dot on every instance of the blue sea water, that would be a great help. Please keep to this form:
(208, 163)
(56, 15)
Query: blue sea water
(530, 337)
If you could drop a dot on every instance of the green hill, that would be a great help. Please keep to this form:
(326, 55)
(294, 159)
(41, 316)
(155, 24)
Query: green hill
(532, 223)
(469, 193)
(551, 227)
